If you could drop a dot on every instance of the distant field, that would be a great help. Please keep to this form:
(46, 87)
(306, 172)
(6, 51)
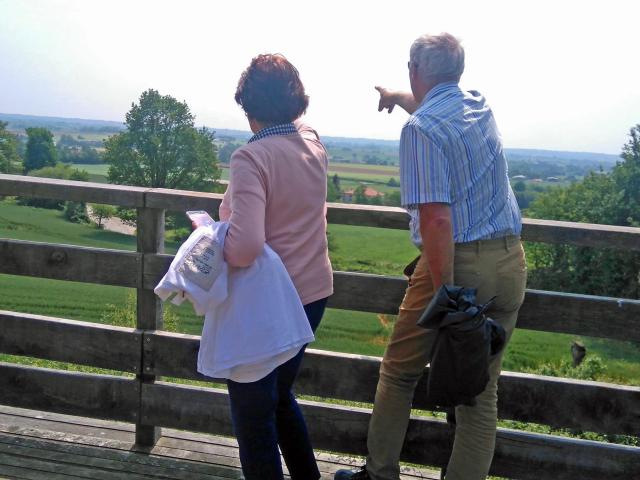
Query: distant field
(93, 169)
(364, 168)
(353, 248)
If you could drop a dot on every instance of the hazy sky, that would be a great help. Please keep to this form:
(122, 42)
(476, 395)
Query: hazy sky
(559, 74)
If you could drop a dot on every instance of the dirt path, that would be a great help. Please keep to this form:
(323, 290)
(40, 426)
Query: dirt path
(113, 224)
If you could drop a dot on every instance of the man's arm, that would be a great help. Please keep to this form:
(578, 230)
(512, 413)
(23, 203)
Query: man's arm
(391, 98)
(436, 230)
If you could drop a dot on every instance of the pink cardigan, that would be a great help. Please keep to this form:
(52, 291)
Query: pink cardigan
(276, 194)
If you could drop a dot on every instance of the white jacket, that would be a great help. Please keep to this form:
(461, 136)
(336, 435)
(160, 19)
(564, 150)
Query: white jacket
(254, 320)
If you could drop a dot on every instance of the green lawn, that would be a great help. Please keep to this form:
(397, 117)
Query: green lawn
(386, 252)
(92, 169)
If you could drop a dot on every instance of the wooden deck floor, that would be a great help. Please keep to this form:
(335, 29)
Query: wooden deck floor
(44, 446)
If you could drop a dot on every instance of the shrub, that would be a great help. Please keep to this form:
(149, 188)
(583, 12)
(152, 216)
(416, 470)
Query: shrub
(125, 315)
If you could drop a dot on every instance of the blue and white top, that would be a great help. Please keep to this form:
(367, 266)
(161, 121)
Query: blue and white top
(451, 152)
(281, 129)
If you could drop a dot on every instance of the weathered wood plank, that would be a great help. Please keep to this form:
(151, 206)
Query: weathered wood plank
(548, 231)
(587, 315)
(68, 469)
(154, 268)
(518, 454)
(367, 216)
(84, 343)
(177, 449)
(123, 195)
(172, 355)
(65, 262)
(150, 239)
(366, 292)
(100, 460)
(546, 311)
(73, 393)
(183, 200)
(22, 473)
(561, 403)
(583, 234)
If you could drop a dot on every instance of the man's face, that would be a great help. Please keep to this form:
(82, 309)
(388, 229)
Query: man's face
(414, 80)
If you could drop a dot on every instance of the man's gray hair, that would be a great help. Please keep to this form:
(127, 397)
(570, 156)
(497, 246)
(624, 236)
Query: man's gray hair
(440, 58)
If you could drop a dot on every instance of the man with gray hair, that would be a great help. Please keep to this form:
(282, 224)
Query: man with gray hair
(466, 223)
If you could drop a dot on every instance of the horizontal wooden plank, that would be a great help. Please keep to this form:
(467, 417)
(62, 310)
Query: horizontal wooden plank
(367, 216)
(365, 292)
(561, 403)
(343, 429)
(155, 267)
(583, 234)
(577, 314)
(558, 402)
(66, 262)
(546, 311)
(172, 355)
(122, 195)
(535, 230)
(183, 200)
(72, 393)
(589, 315)
(63, 340)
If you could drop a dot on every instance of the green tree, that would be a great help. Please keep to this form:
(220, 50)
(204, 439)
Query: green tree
(41, 151)
(8, 149)
(393, 182)
(333, 193)
(102, 212)
(519, 186)
(392, 199)
(606, 198)
(336, 181)
(62, 172)
(162, 148)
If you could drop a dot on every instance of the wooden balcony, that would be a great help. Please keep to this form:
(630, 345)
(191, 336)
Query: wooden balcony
(134, 408)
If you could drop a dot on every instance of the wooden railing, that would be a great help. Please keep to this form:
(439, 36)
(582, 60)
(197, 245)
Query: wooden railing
(149, 353)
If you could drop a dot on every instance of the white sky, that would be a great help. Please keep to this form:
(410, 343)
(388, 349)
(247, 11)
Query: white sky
(559, 74)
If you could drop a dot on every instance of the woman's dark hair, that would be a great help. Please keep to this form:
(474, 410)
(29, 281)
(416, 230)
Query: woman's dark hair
(270, 90)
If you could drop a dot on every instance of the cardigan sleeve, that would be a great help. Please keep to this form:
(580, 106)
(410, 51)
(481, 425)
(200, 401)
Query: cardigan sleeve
(246, 235)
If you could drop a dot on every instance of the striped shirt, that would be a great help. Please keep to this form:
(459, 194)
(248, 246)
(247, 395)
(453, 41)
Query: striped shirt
(451, 152)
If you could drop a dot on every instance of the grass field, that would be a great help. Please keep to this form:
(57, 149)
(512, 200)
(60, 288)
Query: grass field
(386, 252)
(92, 169)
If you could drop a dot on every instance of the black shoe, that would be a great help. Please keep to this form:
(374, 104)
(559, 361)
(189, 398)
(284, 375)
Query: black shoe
(351, 475)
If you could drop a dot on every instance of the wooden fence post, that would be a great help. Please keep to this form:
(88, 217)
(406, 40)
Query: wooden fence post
(150, 239)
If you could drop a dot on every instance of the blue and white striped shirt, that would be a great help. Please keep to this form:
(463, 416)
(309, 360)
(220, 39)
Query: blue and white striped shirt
(451, 152)
(281, 129)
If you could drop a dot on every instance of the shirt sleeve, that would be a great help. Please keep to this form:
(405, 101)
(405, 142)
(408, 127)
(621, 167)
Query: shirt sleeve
(424, 170)
(246, 235)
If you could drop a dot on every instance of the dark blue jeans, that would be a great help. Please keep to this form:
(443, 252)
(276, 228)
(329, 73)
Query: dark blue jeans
(265, 414)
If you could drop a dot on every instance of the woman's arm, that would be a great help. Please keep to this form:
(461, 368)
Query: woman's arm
(246, 235)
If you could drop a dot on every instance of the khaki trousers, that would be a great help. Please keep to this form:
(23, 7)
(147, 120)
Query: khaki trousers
(496, 268)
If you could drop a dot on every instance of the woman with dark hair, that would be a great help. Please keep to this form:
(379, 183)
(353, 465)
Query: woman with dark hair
(276, 195)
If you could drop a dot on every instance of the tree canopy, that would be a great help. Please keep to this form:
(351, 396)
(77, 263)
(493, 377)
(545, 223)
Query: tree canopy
(606, 198)
(41, 150)
(8, 149)
(162, 148)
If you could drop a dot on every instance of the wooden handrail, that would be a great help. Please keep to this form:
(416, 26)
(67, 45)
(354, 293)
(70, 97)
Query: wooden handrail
(547, 231)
